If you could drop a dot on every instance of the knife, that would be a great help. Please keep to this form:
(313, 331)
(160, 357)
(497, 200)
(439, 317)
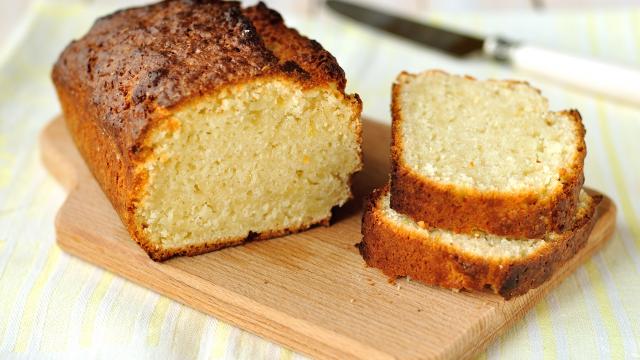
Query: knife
(607, 79)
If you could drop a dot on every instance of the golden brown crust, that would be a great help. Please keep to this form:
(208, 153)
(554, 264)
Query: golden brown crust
(193, 250)
(398, 253)
(294, 49)
(513, 214)
(136, 66)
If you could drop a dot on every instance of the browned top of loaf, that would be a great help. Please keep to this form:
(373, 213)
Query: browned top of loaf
(136, 62)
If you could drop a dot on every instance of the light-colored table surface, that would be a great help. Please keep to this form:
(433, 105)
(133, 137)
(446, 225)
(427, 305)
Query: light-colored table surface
(53, 305)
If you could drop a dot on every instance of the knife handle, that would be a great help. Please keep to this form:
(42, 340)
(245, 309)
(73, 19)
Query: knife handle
(611, 80)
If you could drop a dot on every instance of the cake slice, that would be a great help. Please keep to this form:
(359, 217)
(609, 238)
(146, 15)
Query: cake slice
(399, 246)
(208, 124)
(486, 156)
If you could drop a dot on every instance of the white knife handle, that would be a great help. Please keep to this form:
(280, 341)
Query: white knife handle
(611, 80)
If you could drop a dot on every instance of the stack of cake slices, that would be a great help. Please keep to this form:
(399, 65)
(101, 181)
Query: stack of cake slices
(485, 191)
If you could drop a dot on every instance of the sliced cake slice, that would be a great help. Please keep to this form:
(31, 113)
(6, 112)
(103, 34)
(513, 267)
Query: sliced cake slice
(487, 156)
(399, 246)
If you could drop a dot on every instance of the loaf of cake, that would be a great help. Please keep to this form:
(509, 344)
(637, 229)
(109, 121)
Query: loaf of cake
(399, 246)
(208, 124)
(484, 156)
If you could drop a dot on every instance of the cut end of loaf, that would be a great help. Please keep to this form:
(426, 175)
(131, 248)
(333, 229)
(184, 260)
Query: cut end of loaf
(265, 157)
(484, 135)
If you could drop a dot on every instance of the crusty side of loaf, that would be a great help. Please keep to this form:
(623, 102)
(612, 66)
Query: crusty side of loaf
(526, 214)
(123, 81)
(399, 252)
(293, 48)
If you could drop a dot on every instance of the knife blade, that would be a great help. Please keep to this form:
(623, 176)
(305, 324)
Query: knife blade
(618, 81)
(454, 43)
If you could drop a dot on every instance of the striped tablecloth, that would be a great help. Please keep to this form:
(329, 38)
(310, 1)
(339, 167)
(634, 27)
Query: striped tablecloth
(53, 305)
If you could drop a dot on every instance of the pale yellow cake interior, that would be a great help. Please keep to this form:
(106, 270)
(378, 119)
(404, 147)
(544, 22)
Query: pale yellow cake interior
(258, 157)
(486, 135)
(483, 245)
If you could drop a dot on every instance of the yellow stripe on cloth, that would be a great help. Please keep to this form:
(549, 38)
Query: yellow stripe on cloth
(544, 322)
(26, 323)
(157, 319)
(17, 265)
(223, 330)
(604, 307)
(286, 354)
(614, 159)
(59, 316)
(635, 23)
(188, 322)
(625, 199)
(88, 321)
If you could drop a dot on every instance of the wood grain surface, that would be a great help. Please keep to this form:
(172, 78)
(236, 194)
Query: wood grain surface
(310, 291)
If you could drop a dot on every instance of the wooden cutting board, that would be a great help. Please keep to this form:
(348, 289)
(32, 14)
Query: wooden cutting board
(310, 291)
